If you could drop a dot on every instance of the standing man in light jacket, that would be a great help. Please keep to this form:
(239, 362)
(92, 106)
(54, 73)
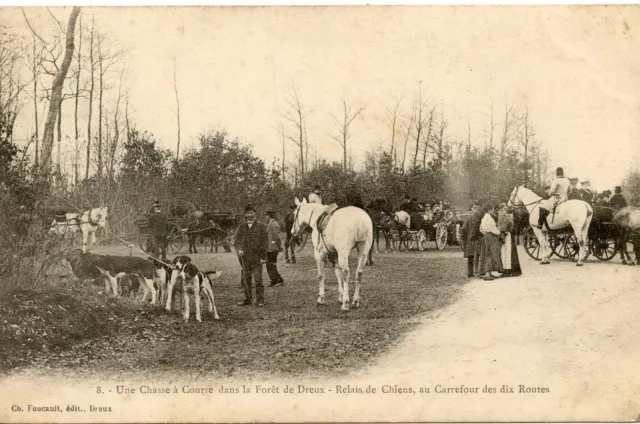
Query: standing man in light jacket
(275, 247)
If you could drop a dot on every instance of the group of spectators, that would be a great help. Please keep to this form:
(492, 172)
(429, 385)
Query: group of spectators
(605, 198)
(490, 243)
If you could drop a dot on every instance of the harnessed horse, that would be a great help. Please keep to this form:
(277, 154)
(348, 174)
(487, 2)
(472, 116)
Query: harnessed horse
(628, 219)
(576, 213)
(345, 229)
(87, 222)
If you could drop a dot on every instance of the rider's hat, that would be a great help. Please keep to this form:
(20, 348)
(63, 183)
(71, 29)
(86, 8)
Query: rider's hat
(249, 208)
(585, 181)
(573, 180)
(156, 204)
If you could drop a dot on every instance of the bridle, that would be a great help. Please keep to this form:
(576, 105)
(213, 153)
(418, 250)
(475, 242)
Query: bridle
(296, 220)
(514, 197)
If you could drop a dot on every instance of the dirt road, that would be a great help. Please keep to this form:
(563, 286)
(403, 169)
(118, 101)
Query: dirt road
(573, 331)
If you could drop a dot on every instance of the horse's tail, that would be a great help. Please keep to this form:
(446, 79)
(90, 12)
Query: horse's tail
(587, 221)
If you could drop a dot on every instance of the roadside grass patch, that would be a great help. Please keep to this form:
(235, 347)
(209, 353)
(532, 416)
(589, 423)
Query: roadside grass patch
(289, 336)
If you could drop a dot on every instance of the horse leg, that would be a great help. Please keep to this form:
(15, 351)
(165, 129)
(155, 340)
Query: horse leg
(544, 245)
(359, 272)
(320, 265)
(85, 237)
(583, 239)
(343, 264)
(338, 272)
(370, 256)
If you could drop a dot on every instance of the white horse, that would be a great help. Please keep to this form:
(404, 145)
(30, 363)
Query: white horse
(87, 222)
(347, 228)
(402, 217)
(576, 213)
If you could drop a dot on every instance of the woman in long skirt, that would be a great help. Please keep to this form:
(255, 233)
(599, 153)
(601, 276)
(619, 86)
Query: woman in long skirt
(508, 252)
(490, 261)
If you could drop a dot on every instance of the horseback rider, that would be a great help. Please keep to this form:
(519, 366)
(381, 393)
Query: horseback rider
(558, 192)
(353, 197)
(618, 201)
(314, 196)
(574, 192)
(585, 191)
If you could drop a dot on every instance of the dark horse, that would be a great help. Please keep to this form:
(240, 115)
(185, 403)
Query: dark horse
(376, 208)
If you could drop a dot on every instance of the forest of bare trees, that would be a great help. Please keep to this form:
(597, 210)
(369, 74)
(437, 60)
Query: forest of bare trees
(77, 74)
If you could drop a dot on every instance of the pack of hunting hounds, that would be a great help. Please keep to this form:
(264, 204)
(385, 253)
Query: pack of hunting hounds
(127, 275)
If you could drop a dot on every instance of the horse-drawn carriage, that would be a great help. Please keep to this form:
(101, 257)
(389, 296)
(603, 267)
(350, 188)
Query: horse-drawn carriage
(443, 227)
(216, 226)
(175, 234)
(603, 237)
(448, 229)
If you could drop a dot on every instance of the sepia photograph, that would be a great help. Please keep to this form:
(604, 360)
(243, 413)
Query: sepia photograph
(319, 213)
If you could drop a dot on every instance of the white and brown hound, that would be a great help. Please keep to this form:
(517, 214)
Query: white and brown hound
(193, 281)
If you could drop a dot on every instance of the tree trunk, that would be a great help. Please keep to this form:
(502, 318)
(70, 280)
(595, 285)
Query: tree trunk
(35, 100)
(284, 177)
(91, 89)
(100, 93)
(59, 125)
(75, 156)
(175, 86)
(426, 143)
(56, 92)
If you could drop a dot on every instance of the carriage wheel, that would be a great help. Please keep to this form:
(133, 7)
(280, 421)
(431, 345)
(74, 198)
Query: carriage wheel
(604, 248)
(558, 244)
(572, 248)
(175, 240)
(531, 244)
(421, 240)
(441, 236)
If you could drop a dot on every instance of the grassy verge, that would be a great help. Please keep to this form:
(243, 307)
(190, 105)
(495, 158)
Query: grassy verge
(75, 328)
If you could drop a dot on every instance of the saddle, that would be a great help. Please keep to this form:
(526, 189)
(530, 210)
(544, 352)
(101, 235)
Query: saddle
(324, 217)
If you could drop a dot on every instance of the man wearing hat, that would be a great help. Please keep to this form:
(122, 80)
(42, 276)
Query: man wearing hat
(618, 201)
(353, 196)
(159, 228)
(289, 243)
(251, 243)
(314, 196)
(585, 191)
(558, 191)
(574, 191)
(275, 247)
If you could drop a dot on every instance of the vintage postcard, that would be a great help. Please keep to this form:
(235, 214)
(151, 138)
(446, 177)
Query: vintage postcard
(319, 214)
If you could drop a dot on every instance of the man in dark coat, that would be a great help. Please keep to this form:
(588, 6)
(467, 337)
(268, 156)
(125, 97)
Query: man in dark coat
(159, 228)
(586, 193)
(618, 201)
(472, 237)
(289, 242)
(251, 243)
(353, 197)
(574, 192)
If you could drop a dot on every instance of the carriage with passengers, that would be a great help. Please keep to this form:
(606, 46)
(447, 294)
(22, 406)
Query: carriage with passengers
(441, 226)
(448, 229)
(603, 236)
